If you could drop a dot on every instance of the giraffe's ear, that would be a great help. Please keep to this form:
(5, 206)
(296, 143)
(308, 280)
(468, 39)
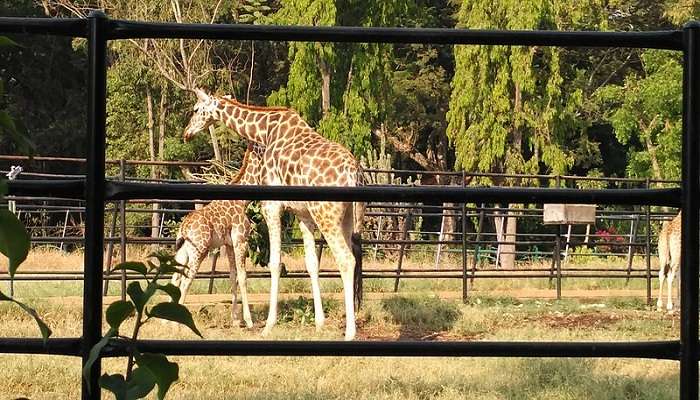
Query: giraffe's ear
(201, 94)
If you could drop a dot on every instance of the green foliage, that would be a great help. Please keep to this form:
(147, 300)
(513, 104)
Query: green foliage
(152, 370)
(357, 89)
(14, 238)
(646, 114)
(508, 112)
(258, 239)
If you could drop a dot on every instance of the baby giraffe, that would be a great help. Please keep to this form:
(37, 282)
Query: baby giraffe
(220, 223)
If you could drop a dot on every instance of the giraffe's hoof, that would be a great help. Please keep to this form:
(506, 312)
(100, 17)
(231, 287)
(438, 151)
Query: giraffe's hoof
(320, 324)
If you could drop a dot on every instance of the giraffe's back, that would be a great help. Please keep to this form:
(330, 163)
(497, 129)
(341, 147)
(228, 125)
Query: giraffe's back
(211, 226)
(302, 157)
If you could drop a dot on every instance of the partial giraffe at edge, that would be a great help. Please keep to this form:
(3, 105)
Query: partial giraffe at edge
(669, 259)
(296, 155)
(220, 223)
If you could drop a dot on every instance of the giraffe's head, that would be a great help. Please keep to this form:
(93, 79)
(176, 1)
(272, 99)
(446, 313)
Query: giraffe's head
(204, 114)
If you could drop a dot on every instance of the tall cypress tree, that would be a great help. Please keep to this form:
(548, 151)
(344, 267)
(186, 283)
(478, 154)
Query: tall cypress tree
(507, 105)
(339, 87)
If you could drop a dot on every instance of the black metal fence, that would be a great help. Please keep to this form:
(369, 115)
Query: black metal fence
(390, 230)
(96, 190)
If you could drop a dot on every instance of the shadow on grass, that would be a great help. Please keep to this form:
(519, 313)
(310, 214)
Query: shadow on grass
(420, 316)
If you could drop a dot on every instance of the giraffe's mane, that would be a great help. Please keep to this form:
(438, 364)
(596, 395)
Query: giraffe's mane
(244, 164)
(229, 99)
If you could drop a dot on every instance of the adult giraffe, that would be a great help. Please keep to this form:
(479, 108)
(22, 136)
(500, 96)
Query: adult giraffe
(669, 259)
(296, 155)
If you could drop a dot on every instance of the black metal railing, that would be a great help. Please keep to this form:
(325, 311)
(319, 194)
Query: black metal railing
(98, 30)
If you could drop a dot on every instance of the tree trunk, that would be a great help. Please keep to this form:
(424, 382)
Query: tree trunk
(447, 227)
(325, 87)
(215, 143)
(651, 148)
(155, 217)
(507, 251)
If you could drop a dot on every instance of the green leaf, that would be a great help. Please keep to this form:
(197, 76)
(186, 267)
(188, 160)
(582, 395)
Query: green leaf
(3, 188)
(171, 269)
(7, 123)
(43, 328)
(14, 240)
(118, 312)
(138, 296)
(140, 383)
(94, 353)
(132, 266)
(115, 384)
(176, 313)
(172, 290)
(5, 41)
(164, 372)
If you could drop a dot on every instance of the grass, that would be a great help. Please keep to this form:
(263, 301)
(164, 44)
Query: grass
(422, 310)
(412, 317)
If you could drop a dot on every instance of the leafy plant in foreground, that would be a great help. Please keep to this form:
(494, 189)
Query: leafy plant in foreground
(14, 238)
(144, 371)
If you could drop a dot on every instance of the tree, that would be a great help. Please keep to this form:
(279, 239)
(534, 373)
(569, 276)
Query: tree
(341, 88)
(508, 113)
(647, 109)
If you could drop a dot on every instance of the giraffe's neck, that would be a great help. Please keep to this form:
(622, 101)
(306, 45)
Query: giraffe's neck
(249, 173)
(251, 123)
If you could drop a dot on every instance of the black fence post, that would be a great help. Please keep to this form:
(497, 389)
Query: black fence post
(110, 250)
(94, 199)
(122, 229)
(477, 245)
(465, 281)
(402, 247)
(647, 247)
(691, 200)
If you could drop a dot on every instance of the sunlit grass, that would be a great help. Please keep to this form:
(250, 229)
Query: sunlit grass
(393, 318)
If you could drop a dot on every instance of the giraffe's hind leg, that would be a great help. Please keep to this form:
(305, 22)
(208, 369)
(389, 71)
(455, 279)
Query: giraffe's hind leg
(338, 235)
(272, 211)
(675, 255)
(240, 253)
(306, 226)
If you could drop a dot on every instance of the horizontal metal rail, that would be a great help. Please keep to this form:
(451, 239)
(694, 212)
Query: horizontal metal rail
(670, 40)
(658, 350)
(75, 27)
(126, 190)
(662, 350)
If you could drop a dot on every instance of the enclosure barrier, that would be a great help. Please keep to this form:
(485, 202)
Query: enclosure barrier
(96, 190)
(477, 244)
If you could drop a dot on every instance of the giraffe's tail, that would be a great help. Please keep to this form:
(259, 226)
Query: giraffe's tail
(357, 284)
(358, 213)
(181, 256)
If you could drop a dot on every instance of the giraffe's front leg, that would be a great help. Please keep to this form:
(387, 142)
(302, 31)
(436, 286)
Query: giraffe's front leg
(240, 252)
(669, 282)
(234, 284)
(272, 211)
(662, 278)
